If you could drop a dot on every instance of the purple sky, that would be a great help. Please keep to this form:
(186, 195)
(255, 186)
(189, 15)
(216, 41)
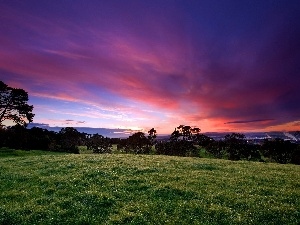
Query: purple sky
(218, 65)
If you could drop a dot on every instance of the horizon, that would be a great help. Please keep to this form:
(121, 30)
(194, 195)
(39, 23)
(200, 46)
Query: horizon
(124, 133)
(229, 66)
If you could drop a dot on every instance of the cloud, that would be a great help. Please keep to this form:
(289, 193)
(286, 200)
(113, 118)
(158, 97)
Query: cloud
(250, 121)
(296, 124)
(182, 66)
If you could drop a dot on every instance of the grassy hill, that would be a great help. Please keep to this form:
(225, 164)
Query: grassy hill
(44, 188)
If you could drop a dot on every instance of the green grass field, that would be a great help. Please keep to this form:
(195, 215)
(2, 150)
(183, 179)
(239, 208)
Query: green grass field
(46, 188)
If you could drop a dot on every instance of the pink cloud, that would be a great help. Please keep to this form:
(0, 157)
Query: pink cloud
(190, 79)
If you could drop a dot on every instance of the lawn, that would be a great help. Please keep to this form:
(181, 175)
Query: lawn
(39, 188)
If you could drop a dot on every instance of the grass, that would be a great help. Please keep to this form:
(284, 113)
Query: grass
(6, 152)
(144, 189)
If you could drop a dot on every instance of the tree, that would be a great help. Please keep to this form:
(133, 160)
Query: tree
(99, 144)
(186, 132)
(41, 139)
(152, 136)
(235, 145)
(279, 150)
(175, 135)
(137, 143)
(181, 142)
(202, 140)
(70, 138)
(16, 137)
(216, 148)
(177, 148)
(13, 105)
(238, 148)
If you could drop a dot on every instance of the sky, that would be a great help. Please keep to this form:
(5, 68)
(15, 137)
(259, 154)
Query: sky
(223, 66)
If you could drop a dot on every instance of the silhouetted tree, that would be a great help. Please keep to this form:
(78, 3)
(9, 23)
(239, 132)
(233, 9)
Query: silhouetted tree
(137, 143)
(70, 138)
(296, 155)
(13, 105)
(152, 136)
(235, 145)
(99, 144)
(17, 137)
(279, 150)
(183, 132)
(175, 135)
(217, 148)
(176, 148)
(202, 140)
(3, 136)
(115, 141)
(180, 142)
(38, 138)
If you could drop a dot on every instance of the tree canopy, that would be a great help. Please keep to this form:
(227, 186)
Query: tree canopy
(14, 106)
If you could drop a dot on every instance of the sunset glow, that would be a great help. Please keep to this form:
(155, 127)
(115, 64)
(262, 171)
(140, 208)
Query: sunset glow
(219, 65)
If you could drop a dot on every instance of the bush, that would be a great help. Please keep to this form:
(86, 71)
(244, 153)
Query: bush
(217, 149)
(136, 143)
(280, 151)
(296, 155)
(236, 146)
(176, 148)
(99, 144)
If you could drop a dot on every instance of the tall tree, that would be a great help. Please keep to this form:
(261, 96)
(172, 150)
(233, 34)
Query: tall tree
(14, 106)
(137, 143)
(70, 139)
(99, 144)
(186, 132)
(152, 136)
(236, 144)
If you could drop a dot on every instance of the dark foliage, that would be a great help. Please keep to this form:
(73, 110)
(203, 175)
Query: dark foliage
(99, 144)
(39, 138)
(70, 138)
(217, 148)
(137, 143)
(236, 146)
(13, 105)
(251, 152)
(183, 132)
(176, 148)
(15, 137)
(152, 136)
(280, 151)
(182, 143)
(296, 155)
(202, 140)
(115, 141)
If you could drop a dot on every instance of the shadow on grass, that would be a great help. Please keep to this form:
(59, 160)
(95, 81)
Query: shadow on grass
(7, 152)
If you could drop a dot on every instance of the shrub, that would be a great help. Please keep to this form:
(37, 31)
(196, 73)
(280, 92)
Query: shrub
(99, 144)
(176, 148)
(137, 143)
(217, 149)
(280, 150)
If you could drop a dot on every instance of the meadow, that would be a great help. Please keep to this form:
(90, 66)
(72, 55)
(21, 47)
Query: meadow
(57, 188)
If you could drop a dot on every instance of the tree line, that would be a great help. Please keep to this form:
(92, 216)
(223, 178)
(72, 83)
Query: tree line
(184, 141)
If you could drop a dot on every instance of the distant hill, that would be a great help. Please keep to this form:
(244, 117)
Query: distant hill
(107, 132)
